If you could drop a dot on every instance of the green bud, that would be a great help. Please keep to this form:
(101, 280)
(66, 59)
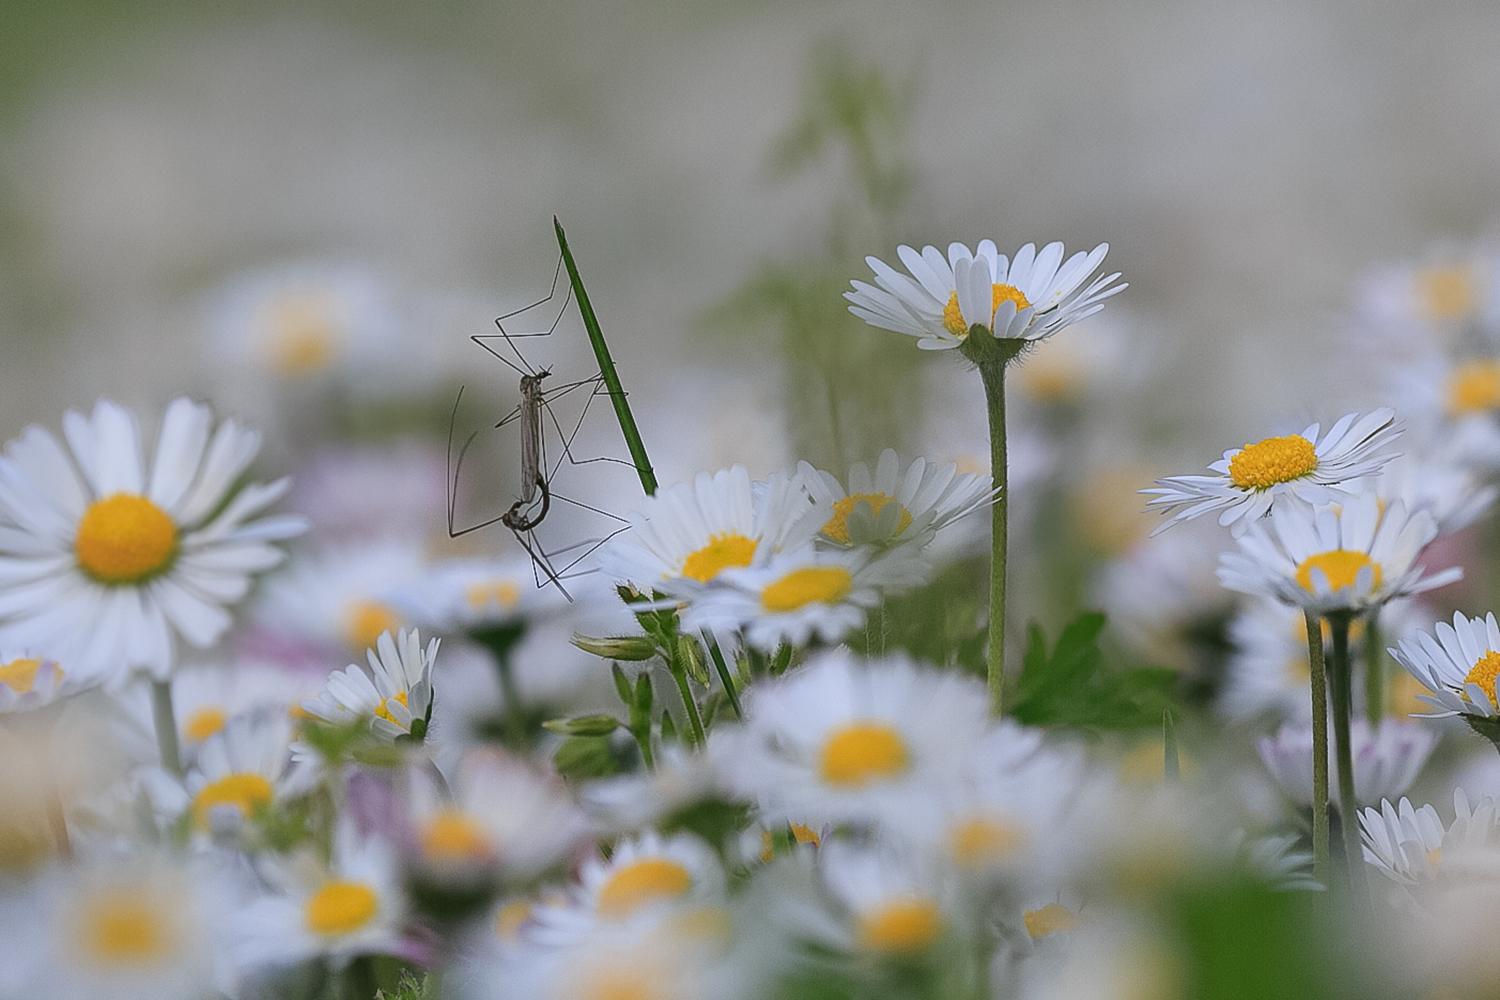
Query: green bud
(690, 655)
(617, 647)
(583, 725)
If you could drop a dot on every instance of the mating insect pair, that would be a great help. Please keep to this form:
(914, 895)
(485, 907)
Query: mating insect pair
(537, 417)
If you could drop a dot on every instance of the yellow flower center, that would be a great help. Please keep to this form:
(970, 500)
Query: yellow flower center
(502, 595)
(723, 551)
(340, 908)
(365, 621)
(801, 587)
(203, 723)
(1341, 566)
(806, 835)
(1435, 856)
(125, 538)
(837, 527)
(452, 836)
(1275, 460)
(382, 712)
(304, 333)
(903, 926)
(1447, 292)
(863, 752)
(1049, 919)
(953, 317)
(122, 928)
(20, 675)
(243, 791)
(1474, 387)
(620, 981)
(510, 918)
(1483, 673)
(981, 839)
(639, 883)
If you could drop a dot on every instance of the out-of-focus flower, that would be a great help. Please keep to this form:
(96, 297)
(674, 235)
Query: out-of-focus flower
(395, 696)
(31, 682)
(841, 741)
(107, 563)
(1386, 761)
(890, 507)
(1031, 297)
(1327, 560)
(892, 904)
(1411, 846)
(1280, 471)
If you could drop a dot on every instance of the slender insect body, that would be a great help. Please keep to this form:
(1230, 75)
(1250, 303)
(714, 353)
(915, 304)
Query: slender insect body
(531, 435)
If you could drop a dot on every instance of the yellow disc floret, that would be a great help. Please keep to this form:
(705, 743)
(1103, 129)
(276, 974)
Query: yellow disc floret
(1474, 387)
(980, 840)
(1049, 919)
(863, 752)
(125, 538)
(837, 527)
(304, 333)
(243, 791)
(364, 621)
(204, 723)
(1341, 566)
(723, 551)
(901, 927)
(1484, 672)
(801, 587)
(383, 712)
(639, 883)
(1275, 460)
(340, 908)
(500, 594)
(20, 675)
(454, 837)
(953, 317)
(122, 929)
(1447, 292)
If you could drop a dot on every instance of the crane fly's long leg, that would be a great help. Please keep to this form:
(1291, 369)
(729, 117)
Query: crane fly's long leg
(454, 470)
(525, 367)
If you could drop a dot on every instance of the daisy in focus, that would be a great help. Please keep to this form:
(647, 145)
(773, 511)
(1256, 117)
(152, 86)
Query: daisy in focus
(1331, 560)
(1458, 664)
(1298, 468)
(1411, 846)
(890, 507)
(395, 696)
(110, 562)
(1028, 298)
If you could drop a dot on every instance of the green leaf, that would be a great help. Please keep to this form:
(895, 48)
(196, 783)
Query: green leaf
(622, 684)
(583, 725)
(1071, 686)
(582, 757)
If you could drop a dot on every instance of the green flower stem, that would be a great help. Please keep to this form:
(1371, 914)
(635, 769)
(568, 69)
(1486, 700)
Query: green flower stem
(1319, 682)
(724, 676)
(1341, 676)
(607, 369)
(166, 727)
(695, 734)
(991, 355)
(1374, 670)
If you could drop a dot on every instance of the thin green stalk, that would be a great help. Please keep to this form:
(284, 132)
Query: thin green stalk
(724, 676)
(1341, 674)
(992, 373)
(166, 727)
(1374, 670)
(696, 736)
(607, 369)
(1318, 679)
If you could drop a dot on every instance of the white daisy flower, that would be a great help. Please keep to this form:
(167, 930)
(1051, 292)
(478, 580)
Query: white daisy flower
(679, 873)
(840, 741)
(240, 770)
(132, 929)
(1411, 846)
(31, 682)
(500, 815)
(352, 907)
(392, 696)
(892, 903)
(680, 779)
(891, 507)
(801, 595)
(1458, 665)
(685, 536)
(1268, 670)
(341, 597)
(1028, 298)
(1386, 760)
(1328, 560)
(108, 563)
(460, 595)
(1297, 468)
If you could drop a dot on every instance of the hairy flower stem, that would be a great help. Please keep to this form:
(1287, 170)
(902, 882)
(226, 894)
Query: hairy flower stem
(992, 355)
(1374, 670)
(1341, 675)
(1319, 682)
(695, 734)
(166, 727)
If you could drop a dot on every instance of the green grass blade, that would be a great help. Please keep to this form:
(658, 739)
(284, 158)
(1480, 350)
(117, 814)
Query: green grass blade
(607, 369)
